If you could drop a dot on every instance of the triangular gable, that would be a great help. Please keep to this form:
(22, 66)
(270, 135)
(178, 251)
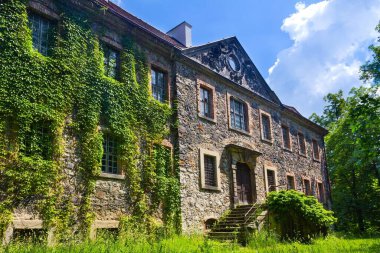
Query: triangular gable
(228, 58)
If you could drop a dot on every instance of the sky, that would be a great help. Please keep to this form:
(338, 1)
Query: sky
(304, 49)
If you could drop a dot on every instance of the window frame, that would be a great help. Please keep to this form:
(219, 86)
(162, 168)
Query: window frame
(318, 159)
(212, 100)
(52, 23)
(274, 169)
(290, 148)
(265, 114)
(202, 153)
(319, 194)
(247, 130)
(299, 144)
(120, 175)
(110, 47)
(304, 186)
(291, 175)
(166, 84)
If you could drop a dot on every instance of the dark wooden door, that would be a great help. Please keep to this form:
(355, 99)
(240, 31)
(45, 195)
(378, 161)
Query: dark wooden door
(243, 181)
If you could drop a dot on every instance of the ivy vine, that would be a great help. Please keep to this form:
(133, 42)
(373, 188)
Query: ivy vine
(44, 101)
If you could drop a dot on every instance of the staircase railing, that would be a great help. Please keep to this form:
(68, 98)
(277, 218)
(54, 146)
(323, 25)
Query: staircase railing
(252, 211)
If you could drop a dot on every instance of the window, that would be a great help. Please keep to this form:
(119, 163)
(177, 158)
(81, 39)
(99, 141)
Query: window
(205, 102)
(307, 187)
(109, 160)
(302, 144)
(266, 127)
(158, 85)
(315, 150)
(210, 223)
(290, 182)
(209, 169)
(40, 27)
(321, 193)
(271, 180)
(238, 114)
(111, 61)
(38, 140)
(285, 137)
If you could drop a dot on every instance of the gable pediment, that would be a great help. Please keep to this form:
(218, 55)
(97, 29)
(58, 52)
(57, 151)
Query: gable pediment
(229, 59)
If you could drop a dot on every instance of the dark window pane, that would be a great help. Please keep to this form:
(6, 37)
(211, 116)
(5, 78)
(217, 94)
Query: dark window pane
(307, 187)
(40, 28)
(109, 159)
(111, 61)
(271, 180)
(158, 85)
(315, 150)
(286, 137)
(267, 135)
(321, 193)
(205, 102)
(237, 115)
(210, 170)
(302, 145)
(290, 181)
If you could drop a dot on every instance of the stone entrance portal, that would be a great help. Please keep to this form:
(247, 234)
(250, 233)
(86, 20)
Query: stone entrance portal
(243, 163)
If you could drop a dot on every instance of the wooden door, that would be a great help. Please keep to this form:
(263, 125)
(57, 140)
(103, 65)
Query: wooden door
(243, 181)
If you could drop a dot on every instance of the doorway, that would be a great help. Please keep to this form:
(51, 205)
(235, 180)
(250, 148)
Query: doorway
(244, 184)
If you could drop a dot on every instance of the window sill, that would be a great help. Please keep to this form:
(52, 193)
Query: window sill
(267, 141)
(316, 160)
(211, 188)
(287, 149)
(303, 155)
(240, 131)
(212, 120)
(111, 176)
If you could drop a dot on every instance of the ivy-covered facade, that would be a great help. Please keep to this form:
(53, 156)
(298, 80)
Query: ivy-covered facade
(107, 123)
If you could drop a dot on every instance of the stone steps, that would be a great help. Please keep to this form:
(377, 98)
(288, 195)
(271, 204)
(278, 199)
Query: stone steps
(233, 225)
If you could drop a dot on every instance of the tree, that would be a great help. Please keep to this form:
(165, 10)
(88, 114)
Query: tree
(353, 149)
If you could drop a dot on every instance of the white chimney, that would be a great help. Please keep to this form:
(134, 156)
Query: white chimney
(182, 33)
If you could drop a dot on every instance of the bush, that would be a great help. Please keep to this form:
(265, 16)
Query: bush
(296, 216)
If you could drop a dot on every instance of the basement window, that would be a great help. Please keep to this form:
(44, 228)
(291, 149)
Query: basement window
(210, 223)
(35, 236)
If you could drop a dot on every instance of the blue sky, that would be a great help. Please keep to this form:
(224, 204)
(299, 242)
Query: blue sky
(303, 49)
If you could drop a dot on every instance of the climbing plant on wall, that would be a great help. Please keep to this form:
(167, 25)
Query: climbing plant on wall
(44, 101)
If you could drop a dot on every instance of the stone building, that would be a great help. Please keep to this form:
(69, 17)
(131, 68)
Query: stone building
(236, 140)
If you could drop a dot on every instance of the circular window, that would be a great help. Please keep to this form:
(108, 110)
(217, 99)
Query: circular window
(233, 63)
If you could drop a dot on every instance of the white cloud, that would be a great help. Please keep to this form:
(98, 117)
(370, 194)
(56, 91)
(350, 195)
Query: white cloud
(330, 41)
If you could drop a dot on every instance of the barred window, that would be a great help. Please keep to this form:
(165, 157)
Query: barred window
(205, 102)
(301, 143)
(307, 187)
(315, 150)
(40, 27)
(290, 182)
(266, 127)
(285, 136)
(158, 85)
(111, 61)
(109, 160)
(238, 114)
(210, 170)
(271, 180)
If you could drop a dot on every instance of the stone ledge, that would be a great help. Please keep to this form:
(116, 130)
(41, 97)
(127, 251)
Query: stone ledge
(111, 176)
(27, 224)
(106, 224)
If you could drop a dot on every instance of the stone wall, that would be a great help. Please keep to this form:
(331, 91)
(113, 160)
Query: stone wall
(196, 132)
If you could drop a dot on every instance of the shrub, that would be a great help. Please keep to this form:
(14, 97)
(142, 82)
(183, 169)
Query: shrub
(296, 216)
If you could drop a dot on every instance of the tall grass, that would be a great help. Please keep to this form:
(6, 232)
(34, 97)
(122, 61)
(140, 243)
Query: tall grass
(263, 242)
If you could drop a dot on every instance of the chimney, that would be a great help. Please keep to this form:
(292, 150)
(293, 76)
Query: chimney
(182, 33)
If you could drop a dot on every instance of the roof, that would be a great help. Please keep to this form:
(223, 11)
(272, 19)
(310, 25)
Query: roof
(140, 23)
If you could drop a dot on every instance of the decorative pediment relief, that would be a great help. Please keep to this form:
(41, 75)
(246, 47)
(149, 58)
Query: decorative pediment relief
(229, 59)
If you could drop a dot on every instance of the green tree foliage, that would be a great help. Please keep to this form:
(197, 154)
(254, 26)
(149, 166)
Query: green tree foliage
(353, 150)
(297, 216)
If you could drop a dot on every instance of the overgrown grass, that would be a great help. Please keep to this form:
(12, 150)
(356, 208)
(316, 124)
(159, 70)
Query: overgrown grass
(263, 242)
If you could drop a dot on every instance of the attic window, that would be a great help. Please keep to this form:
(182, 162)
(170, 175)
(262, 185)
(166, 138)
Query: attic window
(233, 62)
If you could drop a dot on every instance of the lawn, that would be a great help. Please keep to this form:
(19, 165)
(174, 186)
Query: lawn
(188, 244)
